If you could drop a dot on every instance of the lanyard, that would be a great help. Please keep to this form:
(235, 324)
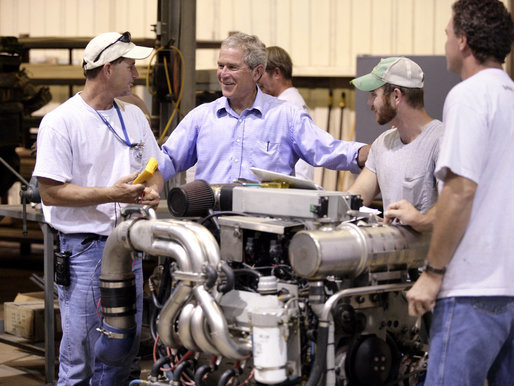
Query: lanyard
(126, 141)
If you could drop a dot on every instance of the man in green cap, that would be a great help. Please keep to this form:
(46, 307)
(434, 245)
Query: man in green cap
(401, 161)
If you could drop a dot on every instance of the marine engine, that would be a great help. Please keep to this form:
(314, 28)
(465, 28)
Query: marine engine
(259, 284)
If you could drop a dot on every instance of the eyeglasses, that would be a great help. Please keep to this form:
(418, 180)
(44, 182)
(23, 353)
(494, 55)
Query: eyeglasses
(124, 38)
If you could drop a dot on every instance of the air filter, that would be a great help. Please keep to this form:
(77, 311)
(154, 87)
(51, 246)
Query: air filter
(190, 200)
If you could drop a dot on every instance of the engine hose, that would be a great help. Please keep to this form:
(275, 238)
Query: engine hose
(229, 273)
(200, 373)
(249, 271)
(153, 323)
(212, 276)
(181, 367)
(226, 376)
(319, 361)
(156, 368)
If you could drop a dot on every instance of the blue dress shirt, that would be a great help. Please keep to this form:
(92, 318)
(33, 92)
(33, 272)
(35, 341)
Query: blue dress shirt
(270, 135)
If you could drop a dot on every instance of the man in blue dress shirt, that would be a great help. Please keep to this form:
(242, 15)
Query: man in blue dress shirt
(246, 128)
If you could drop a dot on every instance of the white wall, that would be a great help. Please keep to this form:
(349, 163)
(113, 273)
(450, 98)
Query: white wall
(323, 37)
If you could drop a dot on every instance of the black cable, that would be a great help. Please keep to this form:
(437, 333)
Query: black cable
(156, 367)
(321, 355)
(181, 367)
(226, 376)
(200, 373)
(251, 271)
(221, 213)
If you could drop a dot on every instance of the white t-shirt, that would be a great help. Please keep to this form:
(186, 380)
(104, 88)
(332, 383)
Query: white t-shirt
(406, 171)
(74, 145)
(478, 144)
(302, 169)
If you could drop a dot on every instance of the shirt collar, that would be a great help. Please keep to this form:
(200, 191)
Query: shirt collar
(257, 108)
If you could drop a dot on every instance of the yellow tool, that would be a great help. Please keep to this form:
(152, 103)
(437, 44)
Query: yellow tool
(148, 172)
(275, 184)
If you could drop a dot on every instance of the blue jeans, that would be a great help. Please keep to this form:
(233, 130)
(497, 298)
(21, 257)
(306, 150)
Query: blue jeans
(79, 317)
(471, 340)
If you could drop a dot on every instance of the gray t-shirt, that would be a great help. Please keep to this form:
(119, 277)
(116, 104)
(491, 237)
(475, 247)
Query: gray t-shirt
(406, 171)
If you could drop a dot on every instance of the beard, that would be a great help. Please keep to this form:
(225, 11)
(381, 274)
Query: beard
(386, 113)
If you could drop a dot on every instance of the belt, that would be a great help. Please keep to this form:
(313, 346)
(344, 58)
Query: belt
(93, 237)
(87, 237)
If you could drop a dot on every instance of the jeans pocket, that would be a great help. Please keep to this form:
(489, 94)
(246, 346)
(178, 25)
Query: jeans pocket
(493, 304)
(75, 246)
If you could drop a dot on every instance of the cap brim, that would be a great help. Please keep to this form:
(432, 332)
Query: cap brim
(138, 52)
(368, 82)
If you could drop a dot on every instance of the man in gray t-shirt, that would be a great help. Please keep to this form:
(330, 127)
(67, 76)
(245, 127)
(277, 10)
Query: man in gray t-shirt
(401, 161)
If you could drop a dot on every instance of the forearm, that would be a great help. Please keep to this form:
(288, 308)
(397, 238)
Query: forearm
(362, 155)
(57, 193)
(426, 220)
(366, 185)
(65, 194)
(453, 213)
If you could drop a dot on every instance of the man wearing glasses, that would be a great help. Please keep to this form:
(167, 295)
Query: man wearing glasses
(246, 128)
(89, 149)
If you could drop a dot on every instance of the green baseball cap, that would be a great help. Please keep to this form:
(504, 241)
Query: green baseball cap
(399, 71)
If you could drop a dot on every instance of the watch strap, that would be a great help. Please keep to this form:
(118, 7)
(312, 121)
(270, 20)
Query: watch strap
(431, 269)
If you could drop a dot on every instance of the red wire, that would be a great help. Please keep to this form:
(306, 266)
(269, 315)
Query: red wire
(98, 309)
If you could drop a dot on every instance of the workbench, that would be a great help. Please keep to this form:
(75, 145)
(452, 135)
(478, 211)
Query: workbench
(35, 215)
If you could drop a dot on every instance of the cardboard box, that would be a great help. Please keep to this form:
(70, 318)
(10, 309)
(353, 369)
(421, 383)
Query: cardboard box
(25, 317)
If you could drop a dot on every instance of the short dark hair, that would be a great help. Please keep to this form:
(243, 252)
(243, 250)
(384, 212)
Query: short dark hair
(487, 26)
(414, 96)
(93, 73)
(278, 57)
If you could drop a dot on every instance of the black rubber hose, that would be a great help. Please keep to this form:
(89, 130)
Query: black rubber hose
(156, 368)
(225, 377)
(321, 355)
(179, 370)
(229, 273)
(200, 373)
(212, 276)
(242, 271)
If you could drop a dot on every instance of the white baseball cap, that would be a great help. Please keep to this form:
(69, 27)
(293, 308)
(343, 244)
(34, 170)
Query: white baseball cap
(110, 46)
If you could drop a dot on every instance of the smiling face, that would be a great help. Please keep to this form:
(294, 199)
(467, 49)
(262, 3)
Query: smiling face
(382, 106)
(238, 83)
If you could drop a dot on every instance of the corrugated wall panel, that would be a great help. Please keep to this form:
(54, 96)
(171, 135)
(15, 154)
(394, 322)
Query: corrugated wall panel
(322, 36)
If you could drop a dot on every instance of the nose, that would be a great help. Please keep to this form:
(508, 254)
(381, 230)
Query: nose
(135, 73)
(370, 100)
(222, 71)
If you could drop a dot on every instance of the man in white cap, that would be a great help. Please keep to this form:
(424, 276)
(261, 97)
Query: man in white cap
(89, 149)
(401, 161)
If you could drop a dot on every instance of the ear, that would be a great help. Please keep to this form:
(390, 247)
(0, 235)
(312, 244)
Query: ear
(396, 96)
(462, 41)
(276, 72)
(257, 72)
(106, 70)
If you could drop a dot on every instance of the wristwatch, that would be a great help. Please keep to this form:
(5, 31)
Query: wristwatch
(430, 269)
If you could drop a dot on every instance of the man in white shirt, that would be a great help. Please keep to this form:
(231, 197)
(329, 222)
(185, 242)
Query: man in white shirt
(402, 160)
(469, 270)
(277, 80)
